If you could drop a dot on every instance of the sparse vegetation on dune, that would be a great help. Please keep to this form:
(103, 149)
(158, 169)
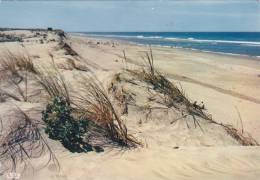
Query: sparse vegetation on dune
(90, 104)
(80, 127)
(22, 141)
(173, 97)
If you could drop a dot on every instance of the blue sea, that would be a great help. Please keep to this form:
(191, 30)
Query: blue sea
(241, 43)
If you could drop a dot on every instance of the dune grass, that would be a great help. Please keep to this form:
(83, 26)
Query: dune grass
(53, 83)
(14, 63)
(173, 96)
(95, 105)
(22, 142)
(16, 69)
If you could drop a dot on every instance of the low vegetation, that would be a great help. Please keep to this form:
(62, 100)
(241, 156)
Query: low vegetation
(15, 70)
(61, 126)
(14, 63)
(94, 104)
(22, 141)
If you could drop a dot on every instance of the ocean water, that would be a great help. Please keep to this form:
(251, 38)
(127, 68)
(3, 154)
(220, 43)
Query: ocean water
(241, 43)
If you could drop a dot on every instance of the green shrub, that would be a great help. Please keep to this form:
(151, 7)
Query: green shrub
(60, 125)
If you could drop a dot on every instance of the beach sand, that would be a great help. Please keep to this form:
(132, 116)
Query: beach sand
(228, 86)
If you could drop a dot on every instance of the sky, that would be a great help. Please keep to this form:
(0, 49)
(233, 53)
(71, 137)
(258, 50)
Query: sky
(133, 15)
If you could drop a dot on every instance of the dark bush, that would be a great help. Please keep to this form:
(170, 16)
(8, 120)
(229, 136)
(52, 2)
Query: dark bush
(60, 125)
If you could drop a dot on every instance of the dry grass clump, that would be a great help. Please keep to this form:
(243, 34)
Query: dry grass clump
(96, 106)
(15, 69)
(14, 63)
(53, 83)
(23, 141)
(173, 96)
(245, 140)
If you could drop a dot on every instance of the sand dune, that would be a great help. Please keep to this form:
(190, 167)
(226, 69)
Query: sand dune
(174, 146)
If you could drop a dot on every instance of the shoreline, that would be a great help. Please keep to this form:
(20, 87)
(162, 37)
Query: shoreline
(256, 58)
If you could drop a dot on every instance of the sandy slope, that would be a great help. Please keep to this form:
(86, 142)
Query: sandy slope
(227, 84)
(171, 151)
(218, 163)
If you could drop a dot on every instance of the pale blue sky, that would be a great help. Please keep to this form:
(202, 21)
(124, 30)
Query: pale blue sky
(149, 15)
